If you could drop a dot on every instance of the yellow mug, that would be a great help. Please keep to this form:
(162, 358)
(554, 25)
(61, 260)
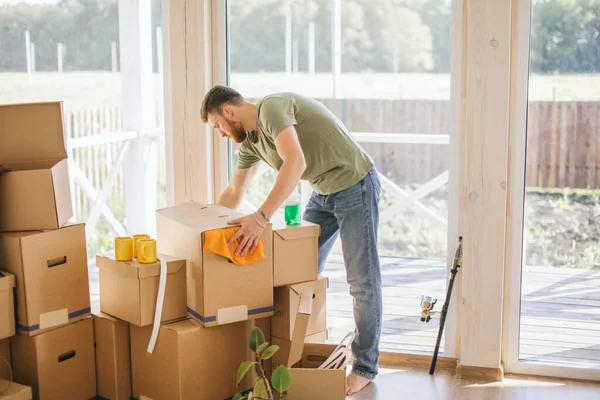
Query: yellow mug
(135, 239)
(123, 248)
(146, 251)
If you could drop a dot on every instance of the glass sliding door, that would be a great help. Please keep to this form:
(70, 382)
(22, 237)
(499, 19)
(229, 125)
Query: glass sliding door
(555, 296)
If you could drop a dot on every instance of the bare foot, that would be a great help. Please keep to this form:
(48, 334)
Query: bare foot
(355, 383)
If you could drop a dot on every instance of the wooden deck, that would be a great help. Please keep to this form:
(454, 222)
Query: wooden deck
(560, 320)
(560, 312)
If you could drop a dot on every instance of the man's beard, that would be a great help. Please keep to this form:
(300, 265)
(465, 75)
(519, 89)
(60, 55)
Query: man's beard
(238, 133)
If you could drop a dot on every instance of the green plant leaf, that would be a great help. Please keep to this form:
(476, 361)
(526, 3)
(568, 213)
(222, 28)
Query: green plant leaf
(260, 390)
(270, 352)
(238, 396)
(256, 338)
(262, 348)
(243, 370)
(250, 396)
(281, 379)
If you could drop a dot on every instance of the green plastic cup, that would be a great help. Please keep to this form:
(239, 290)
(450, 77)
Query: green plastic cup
(292, 214)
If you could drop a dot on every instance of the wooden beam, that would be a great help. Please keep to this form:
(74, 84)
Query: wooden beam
(484, 145)
(187, 57)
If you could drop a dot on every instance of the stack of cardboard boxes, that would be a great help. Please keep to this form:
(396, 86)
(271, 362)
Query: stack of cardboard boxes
(176, 329)
(43, 260)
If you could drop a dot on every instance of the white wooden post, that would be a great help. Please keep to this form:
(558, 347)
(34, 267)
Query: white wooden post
(113, 56)
(188, 75)
(311, 48)
(59, 57)
(295, 57)
(288, 42)
(159, 50)
(336, 43)
(135, 44)
(28, 54)
(32, 57)
(484, 146)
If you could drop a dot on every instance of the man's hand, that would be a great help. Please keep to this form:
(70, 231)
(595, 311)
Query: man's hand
(249, 233)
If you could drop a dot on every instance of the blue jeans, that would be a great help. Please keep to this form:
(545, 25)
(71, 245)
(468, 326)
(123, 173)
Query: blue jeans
(353, 214)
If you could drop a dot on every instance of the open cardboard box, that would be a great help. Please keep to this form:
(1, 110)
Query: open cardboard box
(52, 276)
(304, 359)
(286, 305)
(36, 195)
(128, 289)
(7, 305)
(218, 291)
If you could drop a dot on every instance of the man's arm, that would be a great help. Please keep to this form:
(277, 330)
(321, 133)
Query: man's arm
(232, 196)
(294, 165)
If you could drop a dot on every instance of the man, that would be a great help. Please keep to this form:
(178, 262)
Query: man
(302, 139)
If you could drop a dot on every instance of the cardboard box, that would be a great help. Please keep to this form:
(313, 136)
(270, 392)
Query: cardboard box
(128, 289)
(287, 299)
(36, 194)
(58, 364)
(191, 361)
(4, 359)
(7, 305)
(218, 291)
(295, 252)
(303, 360)
(52, 276)
(113, 356)
(15, 391)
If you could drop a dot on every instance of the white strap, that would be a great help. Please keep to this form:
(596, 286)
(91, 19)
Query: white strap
(159, 305)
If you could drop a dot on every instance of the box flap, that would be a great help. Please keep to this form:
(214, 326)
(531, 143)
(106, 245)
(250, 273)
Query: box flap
(304, 230)
(32, 131)
(137, 270)
(200, 217)
(298, 232)
(122, 268)
(297, 346)
(182, 327)
(314, 286)
(7, 281)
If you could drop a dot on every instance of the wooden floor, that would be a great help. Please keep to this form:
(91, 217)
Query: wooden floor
(560, 311)
(399, 384)
(560, 320)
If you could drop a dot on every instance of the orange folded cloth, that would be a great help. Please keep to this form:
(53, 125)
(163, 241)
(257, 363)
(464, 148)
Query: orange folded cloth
(216, 242)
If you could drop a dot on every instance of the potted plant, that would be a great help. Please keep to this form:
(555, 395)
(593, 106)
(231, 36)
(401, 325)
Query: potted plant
(264, 389)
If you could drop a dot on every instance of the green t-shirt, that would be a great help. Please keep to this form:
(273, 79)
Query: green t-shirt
(334, 161)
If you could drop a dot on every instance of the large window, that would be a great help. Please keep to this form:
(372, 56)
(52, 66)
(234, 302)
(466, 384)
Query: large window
(385, 72)
(560, 322)
(69, 51)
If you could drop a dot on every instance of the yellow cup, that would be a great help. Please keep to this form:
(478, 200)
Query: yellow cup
(135, 239)
(146, 251)
(123, 248)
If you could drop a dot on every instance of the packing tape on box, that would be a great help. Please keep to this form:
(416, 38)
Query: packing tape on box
(54, 318)
(159, 305)
(232, 314)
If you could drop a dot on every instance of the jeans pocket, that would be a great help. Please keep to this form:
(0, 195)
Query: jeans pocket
(374, 177)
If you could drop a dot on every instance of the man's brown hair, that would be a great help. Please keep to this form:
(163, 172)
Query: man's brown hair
(216, 98)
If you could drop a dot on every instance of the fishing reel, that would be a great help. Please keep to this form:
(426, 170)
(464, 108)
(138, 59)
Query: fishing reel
(427, 304)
